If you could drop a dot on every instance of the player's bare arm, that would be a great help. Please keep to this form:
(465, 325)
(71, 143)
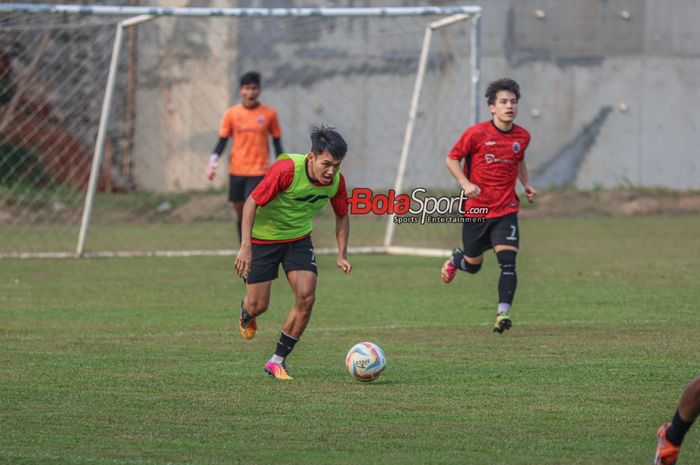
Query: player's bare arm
(530, 191)
(455, 169)
(244, 257)
(342, 233)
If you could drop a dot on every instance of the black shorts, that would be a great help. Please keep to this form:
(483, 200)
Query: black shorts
(297, 255)
(240, 187)
(479, 237)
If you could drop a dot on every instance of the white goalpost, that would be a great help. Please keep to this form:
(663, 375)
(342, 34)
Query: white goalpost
(408, 137)
(110, 112)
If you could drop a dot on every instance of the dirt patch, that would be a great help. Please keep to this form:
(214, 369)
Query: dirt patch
(205, 207)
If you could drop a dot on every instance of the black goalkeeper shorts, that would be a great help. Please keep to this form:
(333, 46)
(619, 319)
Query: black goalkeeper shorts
(240, 187)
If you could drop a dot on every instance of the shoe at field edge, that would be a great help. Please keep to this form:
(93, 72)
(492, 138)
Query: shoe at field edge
(277, 370)
(666, 451)
(503, 323)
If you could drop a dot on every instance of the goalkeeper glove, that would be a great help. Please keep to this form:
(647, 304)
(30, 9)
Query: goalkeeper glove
(211, 165)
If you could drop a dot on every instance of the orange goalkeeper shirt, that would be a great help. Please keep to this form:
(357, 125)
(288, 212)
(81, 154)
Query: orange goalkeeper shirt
(249, 127)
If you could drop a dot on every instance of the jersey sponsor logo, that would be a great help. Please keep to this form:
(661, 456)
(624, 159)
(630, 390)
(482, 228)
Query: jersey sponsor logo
(491, 158)
(311, 198)
(516, 147)
(261, 119)
(490, 143)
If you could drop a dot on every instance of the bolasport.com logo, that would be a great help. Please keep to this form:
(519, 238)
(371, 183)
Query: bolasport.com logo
(415, 207)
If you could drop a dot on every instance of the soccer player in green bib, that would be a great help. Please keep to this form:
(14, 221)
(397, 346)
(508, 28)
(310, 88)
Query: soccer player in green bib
(276, 230)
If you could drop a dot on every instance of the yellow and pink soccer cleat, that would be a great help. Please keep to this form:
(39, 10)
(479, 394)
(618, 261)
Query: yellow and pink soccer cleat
(277, 370)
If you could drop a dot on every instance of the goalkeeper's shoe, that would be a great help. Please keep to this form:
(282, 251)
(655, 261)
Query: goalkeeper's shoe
(503, 322)
(278, 370)
(247, 325)
(449, 270)
(666, 451)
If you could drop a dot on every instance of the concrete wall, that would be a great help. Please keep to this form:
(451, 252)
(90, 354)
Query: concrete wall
(609, 87)
(613, 82)
(181, 64)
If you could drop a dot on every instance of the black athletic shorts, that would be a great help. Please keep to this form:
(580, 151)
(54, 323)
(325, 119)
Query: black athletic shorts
(479, 237)
(297, 255)
(240, 187)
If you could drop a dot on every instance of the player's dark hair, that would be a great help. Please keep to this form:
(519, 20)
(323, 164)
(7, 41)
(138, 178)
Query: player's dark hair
(325, 138)
(251, 77)
(499, 85)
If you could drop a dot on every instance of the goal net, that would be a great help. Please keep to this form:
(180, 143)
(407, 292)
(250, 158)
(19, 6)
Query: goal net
(107, 118)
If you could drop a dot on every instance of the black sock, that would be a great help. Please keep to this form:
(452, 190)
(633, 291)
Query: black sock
(457, 258)
(285, 345)
(509, 279)
(460, 262)
(239, 225)
(678, 428)
(469, 268)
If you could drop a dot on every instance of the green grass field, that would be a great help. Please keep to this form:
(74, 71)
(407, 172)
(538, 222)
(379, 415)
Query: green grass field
(139, 361)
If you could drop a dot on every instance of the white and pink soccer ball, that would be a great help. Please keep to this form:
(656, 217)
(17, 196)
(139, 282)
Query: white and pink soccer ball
(365, 361)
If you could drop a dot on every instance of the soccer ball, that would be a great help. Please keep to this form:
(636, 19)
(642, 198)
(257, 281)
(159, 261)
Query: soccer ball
(365, 361)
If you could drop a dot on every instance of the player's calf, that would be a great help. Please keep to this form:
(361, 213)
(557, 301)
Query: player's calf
(508, 281)
(247, 325)
(457, 262)
(251, 307)
(277, 366)
(462, 262)
(507, 284)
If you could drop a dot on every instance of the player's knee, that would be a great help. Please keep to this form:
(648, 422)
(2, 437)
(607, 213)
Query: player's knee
(305, 302)
(506, 260)
(255, 307)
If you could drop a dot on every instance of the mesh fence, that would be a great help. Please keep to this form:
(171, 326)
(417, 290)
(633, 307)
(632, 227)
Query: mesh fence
(176, 78)
(52, 78)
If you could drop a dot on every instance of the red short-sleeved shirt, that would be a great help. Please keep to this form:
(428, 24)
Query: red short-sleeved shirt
(492, 158)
